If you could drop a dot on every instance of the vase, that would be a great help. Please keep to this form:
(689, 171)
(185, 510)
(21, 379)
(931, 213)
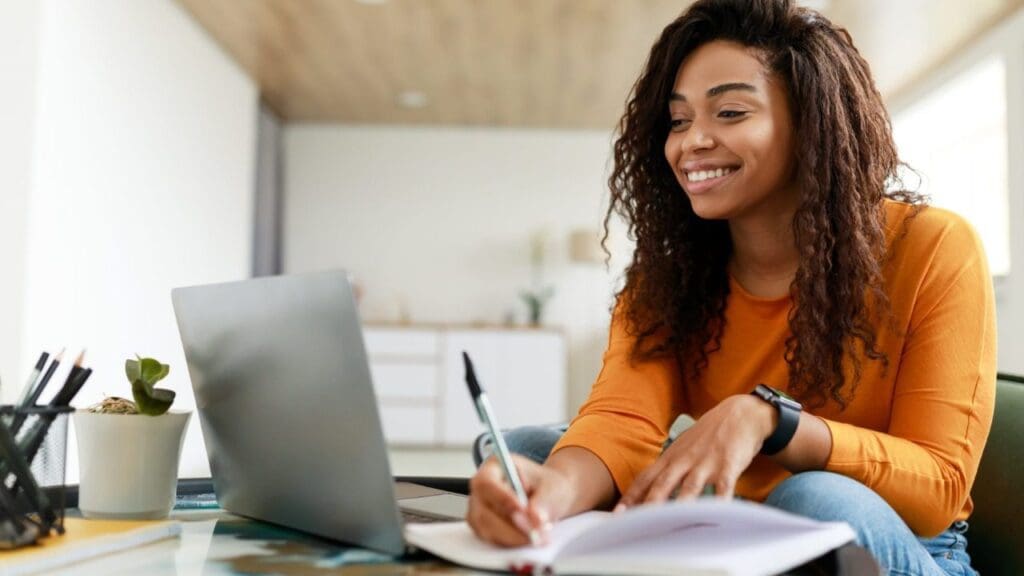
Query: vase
(128, 463)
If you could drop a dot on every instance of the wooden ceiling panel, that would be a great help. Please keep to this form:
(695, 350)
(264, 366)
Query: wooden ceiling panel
(523, 63)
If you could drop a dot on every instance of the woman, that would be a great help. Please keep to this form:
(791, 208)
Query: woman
(755, 168)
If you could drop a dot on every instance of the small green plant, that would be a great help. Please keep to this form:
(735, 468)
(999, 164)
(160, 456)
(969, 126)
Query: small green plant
(535, 301)
(143, 374)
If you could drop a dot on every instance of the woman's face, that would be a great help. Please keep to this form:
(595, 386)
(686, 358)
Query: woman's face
(731, 141)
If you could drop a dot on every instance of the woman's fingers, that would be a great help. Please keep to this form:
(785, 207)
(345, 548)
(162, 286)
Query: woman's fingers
(637, 491)
(679, 480)
(679, 477)
(495, 512)
(537, 517)
(494, 526)
(725, 487)
(692, 485)
(490, 487)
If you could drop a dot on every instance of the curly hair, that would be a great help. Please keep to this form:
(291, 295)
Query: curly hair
(677, 283)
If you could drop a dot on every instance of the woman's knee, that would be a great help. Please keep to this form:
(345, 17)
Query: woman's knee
(831, 497)
(534, 442)
(821, 495)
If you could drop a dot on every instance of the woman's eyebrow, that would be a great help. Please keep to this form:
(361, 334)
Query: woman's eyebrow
(717, 90)
(723, 88)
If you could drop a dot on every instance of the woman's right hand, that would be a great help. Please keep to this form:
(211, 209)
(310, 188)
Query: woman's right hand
(495, 514)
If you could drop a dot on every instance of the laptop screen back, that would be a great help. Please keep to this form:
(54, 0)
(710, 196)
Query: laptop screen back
(287, 407)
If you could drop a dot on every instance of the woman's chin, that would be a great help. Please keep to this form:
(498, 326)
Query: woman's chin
(706, 209)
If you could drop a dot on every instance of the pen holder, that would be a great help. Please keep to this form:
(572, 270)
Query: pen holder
(33, 454)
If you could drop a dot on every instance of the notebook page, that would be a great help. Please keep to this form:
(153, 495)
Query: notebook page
(456, 542)
(645, 522)
(741, 549)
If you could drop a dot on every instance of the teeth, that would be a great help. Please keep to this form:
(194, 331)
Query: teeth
(701, 175)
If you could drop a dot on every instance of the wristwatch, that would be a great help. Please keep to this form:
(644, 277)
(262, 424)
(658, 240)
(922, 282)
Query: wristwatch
(789, 417)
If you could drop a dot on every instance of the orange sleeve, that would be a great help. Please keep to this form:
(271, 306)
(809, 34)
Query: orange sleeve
(631, 407)
(924, 466)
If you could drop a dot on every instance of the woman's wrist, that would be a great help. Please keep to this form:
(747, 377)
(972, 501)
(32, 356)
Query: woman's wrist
(760, 413)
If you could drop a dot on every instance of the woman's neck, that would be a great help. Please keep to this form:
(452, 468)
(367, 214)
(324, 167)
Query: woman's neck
(765, 258)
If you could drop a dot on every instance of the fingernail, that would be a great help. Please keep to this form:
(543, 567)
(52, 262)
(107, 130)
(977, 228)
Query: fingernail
(542, 514)
(620, 507)
(521, 522)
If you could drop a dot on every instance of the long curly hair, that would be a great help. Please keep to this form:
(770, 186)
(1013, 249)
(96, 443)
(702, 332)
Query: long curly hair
(846, 163)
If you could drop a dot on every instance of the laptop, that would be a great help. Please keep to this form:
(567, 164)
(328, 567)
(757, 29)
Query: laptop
(288, 412)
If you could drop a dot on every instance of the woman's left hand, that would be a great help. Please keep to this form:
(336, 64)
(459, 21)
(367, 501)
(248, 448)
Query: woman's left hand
(714, 451)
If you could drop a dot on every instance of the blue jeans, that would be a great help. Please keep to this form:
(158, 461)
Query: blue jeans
(824, 496)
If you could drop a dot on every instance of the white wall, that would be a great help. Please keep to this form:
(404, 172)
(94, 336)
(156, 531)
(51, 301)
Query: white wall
(143, 168)
(438, 222)
(1006, 40)
(19, 25)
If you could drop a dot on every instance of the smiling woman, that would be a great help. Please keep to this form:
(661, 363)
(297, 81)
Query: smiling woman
(788, 294)
(731, 133)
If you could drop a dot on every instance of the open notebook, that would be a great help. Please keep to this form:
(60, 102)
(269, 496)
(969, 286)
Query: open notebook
(707, 536)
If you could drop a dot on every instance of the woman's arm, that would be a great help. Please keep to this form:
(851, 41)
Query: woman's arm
(619, 430)
(591, 483)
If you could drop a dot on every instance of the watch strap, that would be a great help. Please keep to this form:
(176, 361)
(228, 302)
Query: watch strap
(789, 418)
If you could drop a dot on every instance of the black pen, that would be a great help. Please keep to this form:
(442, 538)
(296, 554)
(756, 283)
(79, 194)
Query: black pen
(483, 409)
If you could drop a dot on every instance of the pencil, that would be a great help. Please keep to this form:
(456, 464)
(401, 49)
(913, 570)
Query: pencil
(76, 369)
(71, 388)
(19, 417)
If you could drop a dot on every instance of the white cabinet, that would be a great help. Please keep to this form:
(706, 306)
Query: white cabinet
(420, 382)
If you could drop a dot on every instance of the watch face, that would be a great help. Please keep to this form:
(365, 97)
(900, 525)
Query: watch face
(789, 401)
(783, 394)
(764, 393)
(774, 396)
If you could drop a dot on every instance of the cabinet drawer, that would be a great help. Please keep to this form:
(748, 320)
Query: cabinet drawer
(404, 379)
(390, 343)
(407, 425)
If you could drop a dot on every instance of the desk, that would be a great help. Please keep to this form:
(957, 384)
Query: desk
(217, 543)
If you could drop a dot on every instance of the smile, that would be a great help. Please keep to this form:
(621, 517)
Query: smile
(702, 175)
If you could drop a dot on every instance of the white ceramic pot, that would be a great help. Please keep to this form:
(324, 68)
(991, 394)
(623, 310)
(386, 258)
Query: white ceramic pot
(128, 463)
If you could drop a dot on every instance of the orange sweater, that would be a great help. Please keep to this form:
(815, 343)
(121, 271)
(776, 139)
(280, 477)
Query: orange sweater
(914, 435)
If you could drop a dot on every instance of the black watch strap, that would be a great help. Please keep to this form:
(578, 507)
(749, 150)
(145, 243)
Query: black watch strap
(789, 418)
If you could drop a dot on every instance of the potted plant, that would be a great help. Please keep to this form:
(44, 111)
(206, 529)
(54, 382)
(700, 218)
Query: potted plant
(537, 296)
(128, 450)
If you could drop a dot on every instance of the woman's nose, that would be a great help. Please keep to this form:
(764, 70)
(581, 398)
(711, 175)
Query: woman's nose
(698, 137)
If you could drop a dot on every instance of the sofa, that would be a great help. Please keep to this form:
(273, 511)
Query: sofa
(996, 537)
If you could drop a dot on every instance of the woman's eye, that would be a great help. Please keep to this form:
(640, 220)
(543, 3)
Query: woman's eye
(678, 124)
(730, 114)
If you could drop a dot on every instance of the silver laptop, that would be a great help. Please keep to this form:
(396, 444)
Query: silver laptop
(288, 412)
